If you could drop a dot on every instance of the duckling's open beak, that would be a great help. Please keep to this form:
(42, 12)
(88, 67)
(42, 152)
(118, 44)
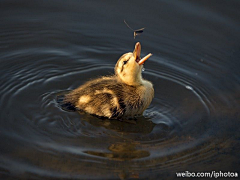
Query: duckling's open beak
(144, 59)
(137, 53)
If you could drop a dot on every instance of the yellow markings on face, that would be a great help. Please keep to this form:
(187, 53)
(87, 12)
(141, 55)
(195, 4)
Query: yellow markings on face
(119, 71)
(84, 99)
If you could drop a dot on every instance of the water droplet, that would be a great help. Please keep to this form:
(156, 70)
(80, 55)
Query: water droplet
(143, 69)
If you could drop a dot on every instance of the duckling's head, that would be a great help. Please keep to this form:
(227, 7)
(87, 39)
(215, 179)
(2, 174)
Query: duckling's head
(128, 68)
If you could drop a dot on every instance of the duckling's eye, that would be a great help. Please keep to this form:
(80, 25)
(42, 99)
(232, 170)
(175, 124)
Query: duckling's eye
(125, 62)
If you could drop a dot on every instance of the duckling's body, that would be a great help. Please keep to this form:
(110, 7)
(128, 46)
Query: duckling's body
(125, 94)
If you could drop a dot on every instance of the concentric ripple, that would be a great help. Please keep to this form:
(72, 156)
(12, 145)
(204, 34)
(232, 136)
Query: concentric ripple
(162, 138)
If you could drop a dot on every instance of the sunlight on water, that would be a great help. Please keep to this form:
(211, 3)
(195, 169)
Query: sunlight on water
(189, 87)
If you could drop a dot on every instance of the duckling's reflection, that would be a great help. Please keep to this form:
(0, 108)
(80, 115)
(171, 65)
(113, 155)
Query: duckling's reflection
(122, 151)
(141, 125)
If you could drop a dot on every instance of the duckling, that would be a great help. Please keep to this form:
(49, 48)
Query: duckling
(123, 95)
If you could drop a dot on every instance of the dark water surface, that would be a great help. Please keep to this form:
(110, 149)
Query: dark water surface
(50, 47)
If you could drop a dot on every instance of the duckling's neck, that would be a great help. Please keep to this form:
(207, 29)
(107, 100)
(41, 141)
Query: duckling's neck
(131, 81)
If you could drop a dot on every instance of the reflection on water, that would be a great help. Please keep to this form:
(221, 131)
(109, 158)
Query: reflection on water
(49, 48)
(122, 152)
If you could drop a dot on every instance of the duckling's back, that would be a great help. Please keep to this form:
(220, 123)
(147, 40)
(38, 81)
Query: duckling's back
(107, 97)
